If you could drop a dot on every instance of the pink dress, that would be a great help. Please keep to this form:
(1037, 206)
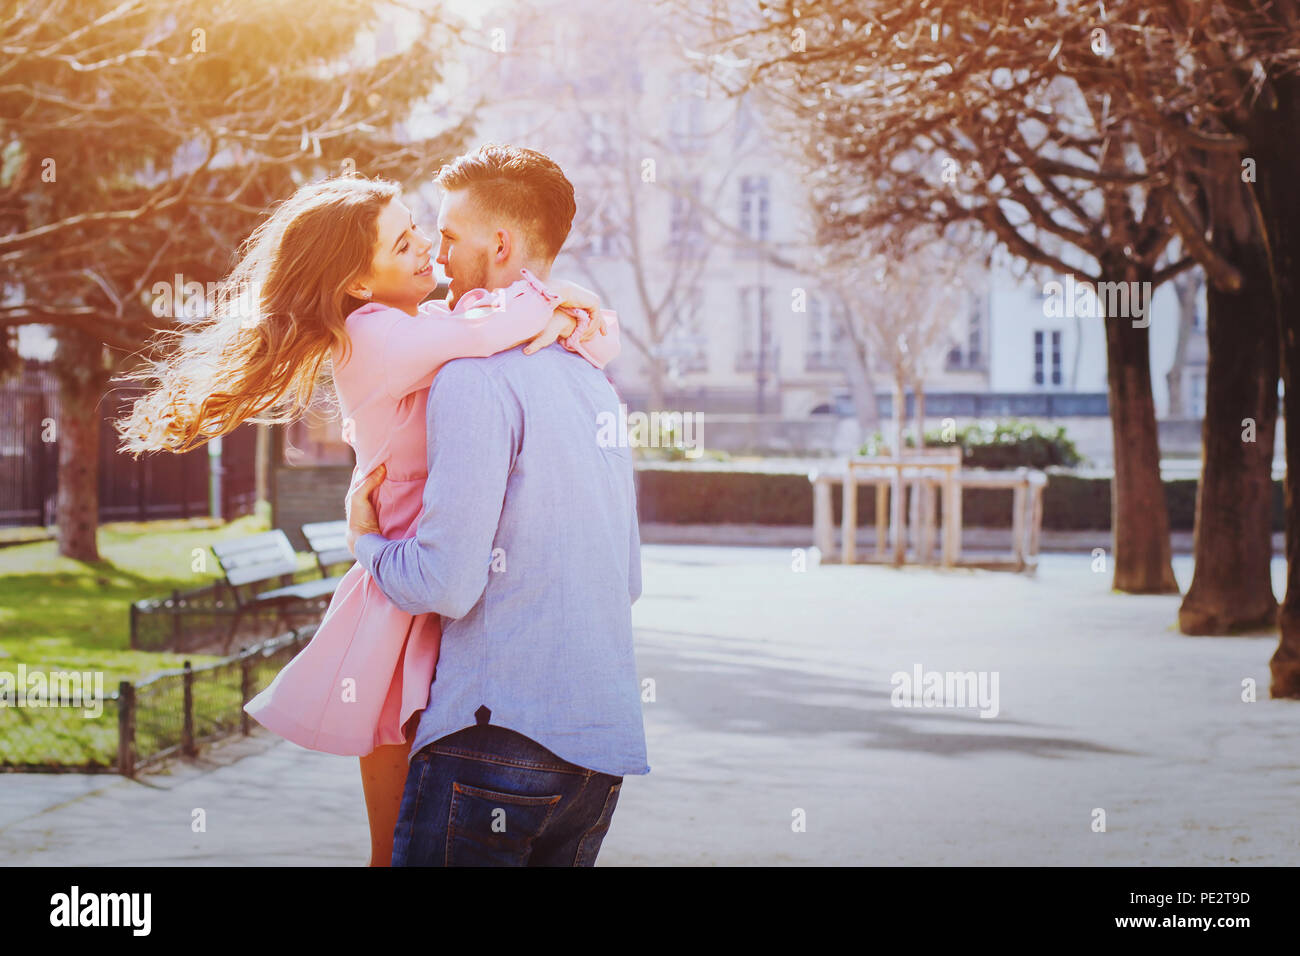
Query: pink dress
(369, 666)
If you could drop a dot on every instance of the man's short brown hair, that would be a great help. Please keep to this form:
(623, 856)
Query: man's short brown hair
(523, 185)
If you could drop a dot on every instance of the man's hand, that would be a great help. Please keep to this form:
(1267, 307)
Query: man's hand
(362, 519)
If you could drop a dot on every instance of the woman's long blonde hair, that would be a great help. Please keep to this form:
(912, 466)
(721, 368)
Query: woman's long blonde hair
(277, 316)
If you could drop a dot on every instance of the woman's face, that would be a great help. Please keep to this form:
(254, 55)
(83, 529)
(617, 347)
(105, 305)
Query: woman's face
(401, 270)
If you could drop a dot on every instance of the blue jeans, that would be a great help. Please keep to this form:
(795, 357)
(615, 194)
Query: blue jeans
(488, 796)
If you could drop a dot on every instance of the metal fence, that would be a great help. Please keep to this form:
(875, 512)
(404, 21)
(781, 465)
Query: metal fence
(171, 713)
(160, 485)
(187, 620)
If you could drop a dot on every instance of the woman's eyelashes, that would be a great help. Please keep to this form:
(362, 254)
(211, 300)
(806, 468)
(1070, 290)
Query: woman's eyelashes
(406, 243)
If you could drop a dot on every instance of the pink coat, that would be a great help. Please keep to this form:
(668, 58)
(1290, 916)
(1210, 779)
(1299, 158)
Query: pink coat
(368, 668)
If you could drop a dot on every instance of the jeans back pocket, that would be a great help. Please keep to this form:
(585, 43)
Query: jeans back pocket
(489, 828)
(590, 843)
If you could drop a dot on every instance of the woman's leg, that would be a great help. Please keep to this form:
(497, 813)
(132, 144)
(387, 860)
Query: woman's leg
(383, 778)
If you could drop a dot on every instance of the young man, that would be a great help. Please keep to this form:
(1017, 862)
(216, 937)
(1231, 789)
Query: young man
(528, 547)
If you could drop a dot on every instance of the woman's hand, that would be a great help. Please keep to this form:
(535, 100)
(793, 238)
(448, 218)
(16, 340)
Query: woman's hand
(597, 324)
(575, 296)
(561, 325)
(576, 300)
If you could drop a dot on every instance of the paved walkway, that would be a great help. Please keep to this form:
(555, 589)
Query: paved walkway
(773, 696)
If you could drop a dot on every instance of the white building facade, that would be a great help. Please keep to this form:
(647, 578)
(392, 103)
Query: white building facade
(689, 224)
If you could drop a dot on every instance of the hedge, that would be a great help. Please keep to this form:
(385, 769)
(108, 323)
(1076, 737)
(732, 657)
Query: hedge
(997, 444)
(1070, 502)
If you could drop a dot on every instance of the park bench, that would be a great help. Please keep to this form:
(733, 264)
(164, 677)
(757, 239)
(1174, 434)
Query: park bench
(934, 474)
(249, 563)
(328, 541)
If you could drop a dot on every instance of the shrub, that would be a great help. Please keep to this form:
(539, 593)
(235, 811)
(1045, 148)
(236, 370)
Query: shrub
(1012, 443)
(1070, 502)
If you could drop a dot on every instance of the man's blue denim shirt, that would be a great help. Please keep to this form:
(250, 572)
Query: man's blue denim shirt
(528, 548)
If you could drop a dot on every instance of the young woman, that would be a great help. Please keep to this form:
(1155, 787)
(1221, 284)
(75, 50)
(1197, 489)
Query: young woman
(340, 272)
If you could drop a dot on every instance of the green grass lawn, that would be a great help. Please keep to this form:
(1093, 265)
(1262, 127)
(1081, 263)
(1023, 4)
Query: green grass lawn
(61, 614)
(57, 614)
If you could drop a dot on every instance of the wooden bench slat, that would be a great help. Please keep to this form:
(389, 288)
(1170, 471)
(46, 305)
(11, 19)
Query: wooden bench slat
(328, 541)
(326, 535)
(326, 558)
(267, 541)
(259, 557)
(267, 557)
(258, 573)
(305, 591)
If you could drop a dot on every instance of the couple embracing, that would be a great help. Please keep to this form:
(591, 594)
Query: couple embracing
(478, 657)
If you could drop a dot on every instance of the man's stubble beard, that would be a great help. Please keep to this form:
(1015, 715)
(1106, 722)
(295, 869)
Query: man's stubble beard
(475, 277)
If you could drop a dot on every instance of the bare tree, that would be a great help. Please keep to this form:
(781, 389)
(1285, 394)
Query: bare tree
(1066, 132)
(910, 308)
(143, 141)
(622, 190)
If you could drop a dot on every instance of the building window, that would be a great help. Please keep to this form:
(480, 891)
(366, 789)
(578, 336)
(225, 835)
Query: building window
(566, 41)
(599, 145)
(602, 241)
(970, 354)
(825, 334)
(686, 114)
(975, 337)
(1047, 357)
(1196, 393)
(755, 211)
(600, 235)
(686, 344)
(685, 224)
(755, 330)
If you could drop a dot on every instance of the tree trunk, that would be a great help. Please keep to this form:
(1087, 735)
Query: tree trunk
(655, 368)
(899, 416)
(862, 388)
(1139, 514)
(1271, 136)
(79, 366)
(1232, 589)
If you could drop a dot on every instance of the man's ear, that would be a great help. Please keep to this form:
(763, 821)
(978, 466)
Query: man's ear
(505, 246)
